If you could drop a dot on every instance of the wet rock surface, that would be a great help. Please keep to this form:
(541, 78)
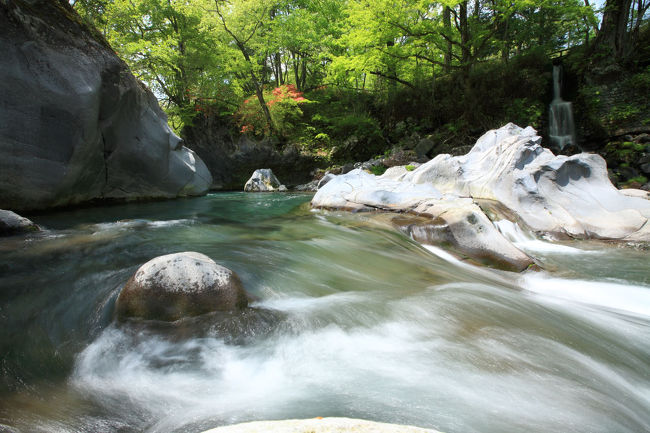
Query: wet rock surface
(179, 285)
(11, 224)
(319, 425)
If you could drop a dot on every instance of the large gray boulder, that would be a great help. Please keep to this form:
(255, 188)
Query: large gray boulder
(263, 180)
(76, 125)
(564, 195)
(178, 285)
(11, 224)
(456, 221)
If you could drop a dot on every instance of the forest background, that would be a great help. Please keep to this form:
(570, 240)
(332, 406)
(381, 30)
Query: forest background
(348, 80)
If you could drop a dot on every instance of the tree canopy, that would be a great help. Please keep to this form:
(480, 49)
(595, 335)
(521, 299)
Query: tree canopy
(217, 53)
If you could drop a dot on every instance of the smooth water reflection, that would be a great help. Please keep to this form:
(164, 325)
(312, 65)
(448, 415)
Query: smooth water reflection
(352, 319)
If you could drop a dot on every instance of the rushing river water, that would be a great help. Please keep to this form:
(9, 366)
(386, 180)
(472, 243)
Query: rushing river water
(351, 319)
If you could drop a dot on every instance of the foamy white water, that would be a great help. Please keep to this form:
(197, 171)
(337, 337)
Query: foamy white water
(351, 320)
(529, 243)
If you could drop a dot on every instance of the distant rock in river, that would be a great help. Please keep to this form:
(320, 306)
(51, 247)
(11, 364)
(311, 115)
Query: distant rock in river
(76, 124)
(263, 180)
(11, 224)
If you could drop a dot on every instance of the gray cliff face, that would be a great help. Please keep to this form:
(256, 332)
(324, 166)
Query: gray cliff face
(232, 159)
(75, 125)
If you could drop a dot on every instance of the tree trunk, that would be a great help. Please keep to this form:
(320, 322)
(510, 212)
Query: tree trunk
(446, 19)
(465, 48)
(613, 30)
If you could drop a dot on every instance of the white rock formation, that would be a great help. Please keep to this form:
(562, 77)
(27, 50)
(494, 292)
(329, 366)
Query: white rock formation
(319, 425)
(263, 180)
(457, 221)
(559, 195)
(551, 194)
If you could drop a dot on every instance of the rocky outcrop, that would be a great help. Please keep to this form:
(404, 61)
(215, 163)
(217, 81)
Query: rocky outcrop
(454, 221)
(319, 425)
(178, 285)
(76, 124)
(232, 158)
(559, 195)
(263, 180)
(12, 224)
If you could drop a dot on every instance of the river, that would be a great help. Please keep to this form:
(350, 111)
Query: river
(351, 319)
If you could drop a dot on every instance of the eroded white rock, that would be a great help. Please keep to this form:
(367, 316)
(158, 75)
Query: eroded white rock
(551, 194)
(458, 221)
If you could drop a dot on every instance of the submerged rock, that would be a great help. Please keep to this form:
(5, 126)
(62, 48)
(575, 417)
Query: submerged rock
(263, 180)
(11, 224)
(319, 425)
(178, 285)
(76, 124)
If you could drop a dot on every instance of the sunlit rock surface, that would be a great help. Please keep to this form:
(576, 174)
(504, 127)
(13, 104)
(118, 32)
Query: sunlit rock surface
(319, 425)
(263, 180)
(76, 124)
(569, 195)
(177, 285)
(455, 221)
(557, 195)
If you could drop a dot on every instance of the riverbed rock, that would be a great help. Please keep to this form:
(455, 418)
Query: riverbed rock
(639, 193)
(12, 224)
(263, 180)
(562, 195)
(76, 124)
(178, 285)
(454, 220)
(319, 425)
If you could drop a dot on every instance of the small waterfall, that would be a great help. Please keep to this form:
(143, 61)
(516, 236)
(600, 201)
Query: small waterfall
(561, 127)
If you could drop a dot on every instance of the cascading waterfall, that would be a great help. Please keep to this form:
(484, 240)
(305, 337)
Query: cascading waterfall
(561, 126)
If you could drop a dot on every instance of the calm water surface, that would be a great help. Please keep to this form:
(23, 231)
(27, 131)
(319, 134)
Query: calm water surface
(351, 319)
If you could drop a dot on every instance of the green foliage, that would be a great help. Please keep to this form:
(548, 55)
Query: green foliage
(409, 167)
(622, 112)
(284, 104)
(378, 170)
(640, 81)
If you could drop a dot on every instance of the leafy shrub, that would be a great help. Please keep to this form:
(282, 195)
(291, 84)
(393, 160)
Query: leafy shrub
(284, 104)
(378, 170)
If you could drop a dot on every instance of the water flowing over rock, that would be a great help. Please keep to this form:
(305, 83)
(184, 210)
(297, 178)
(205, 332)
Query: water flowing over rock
(558, 195)
(319, 425)
(454, 220)
(178, 285)
(263, 180)
(11, 223)
(76, 124)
